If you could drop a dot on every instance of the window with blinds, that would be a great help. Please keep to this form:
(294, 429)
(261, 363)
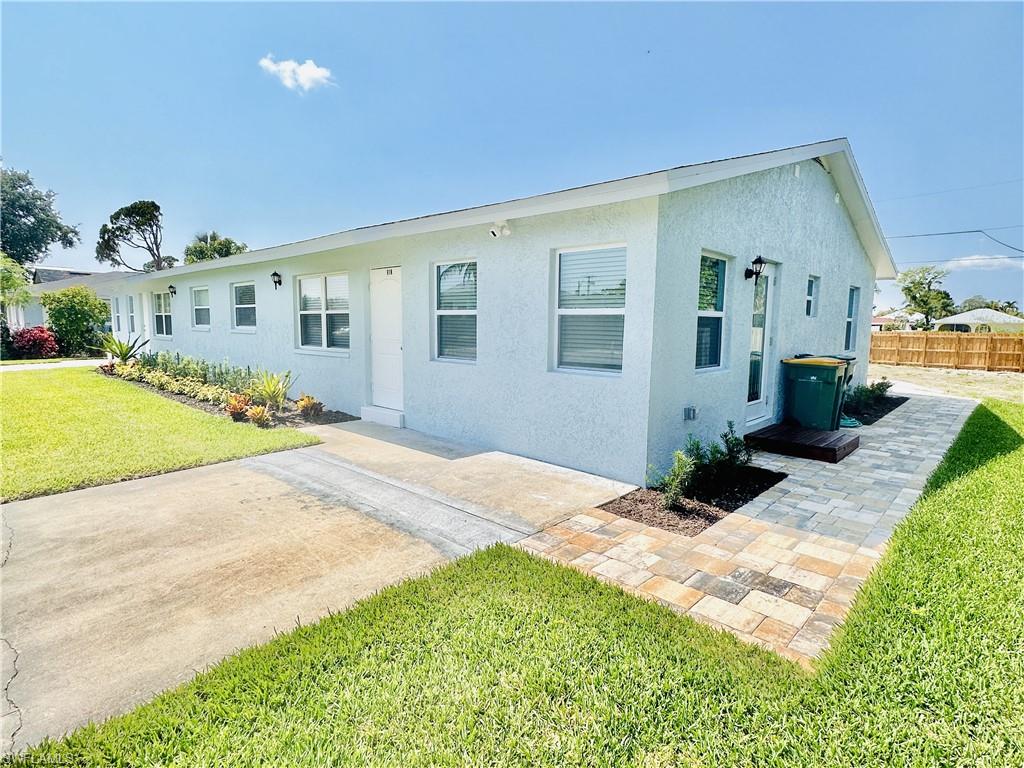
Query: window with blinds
(243, 301)
(324, 312)
(710, 311)
(591, 309)
(162, 314)
(455, 310)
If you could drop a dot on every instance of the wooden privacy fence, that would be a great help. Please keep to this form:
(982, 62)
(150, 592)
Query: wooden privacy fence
(975, 351)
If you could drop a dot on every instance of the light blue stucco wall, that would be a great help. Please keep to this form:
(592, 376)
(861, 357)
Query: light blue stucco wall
(796, 223)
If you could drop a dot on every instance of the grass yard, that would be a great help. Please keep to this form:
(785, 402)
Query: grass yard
(42, 360)
(1003, 385)
(71, 428)
(506, 659)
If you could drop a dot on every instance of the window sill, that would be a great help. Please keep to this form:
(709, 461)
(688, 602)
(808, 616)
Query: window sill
(343, 353)
(243, 330)
(201, 328)
(597, 372)
(455, 360)
(711, 369)
(162, 336)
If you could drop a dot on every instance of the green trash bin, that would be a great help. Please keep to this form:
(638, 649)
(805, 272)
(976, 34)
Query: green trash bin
(814, 391)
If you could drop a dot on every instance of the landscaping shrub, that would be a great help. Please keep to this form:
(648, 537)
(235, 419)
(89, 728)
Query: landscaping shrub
(677, 481)
(74, 314)
(36, 342)
(224, 375)
(237, 406)
(717, 462)
(258, 415)
(309, 406)
(863, 397)
(6, 343)
(270, 389)
(122, 351)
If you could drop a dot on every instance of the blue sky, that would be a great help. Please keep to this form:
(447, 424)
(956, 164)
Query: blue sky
(432, 107)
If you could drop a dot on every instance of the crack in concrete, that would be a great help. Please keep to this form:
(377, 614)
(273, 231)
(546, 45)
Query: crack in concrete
(8, 540)
(14, 708)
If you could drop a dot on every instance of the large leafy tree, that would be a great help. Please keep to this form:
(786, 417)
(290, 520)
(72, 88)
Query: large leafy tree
(13, 283)
(74, 315)
(923, 295)
(29, 221)
(207, 246)
(139, 225)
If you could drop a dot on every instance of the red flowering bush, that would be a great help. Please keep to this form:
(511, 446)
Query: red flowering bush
(35, 342)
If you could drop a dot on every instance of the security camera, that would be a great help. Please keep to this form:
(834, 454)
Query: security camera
(495, 232)
(500, 229)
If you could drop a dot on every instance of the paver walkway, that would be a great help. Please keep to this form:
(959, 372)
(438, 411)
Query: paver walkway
(783, 570)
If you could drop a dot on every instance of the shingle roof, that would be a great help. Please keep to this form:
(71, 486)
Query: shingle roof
(985, 316)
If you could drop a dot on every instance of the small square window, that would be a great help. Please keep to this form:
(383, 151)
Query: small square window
(243, 297)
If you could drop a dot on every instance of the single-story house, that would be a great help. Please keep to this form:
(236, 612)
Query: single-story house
(594, 327)
(982, 320)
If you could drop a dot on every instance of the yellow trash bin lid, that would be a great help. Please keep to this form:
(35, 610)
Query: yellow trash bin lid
(814, 361)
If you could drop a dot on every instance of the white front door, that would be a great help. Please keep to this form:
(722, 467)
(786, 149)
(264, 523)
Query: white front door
(760, 367)
(386, 337)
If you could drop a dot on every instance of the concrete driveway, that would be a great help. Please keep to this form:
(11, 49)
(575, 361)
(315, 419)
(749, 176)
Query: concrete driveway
(115, 593)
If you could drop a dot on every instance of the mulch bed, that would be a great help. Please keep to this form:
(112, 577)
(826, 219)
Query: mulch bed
(693, 515)
(289, 417)
(873, 413)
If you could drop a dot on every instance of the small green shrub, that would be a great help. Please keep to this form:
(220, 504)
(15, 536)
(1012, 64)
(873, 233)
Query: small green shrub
(258, 415)
(309, 406)
(717, 463)
(270, 389)
(74, 314)
(677, 481)
(224, 375)
(861, 398)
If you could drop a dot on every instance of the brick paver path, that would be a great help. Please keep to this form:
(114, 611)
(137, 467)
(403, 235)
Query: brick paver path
(783, 570)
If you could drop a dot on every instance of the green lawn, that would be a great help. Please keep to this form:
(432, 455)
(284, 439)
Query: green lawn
(43, 360)
(505, 659)
(72, 427)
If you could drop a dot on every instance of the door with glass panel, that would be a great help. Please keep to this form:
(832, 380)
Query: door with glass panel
(759, 367)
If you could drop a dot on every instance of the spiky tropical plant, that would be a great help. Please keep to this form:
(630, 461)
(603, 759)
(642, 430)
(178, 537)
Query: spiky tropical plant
(122, 351)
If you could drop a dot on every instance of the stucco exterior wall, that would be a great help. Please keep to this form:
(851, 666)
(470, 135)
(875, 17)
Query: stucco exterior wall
(512, 397)
(796, 223)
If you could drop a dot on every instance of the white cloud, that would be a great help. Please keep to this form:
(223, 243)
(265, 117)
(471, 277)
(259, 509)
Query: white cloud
(305, 76)
(986, 263)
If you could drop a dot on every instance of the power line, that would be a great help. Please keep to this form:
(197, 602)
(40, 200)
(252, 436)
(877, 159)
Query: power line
(961, 232)
(963, 258)
(951, 189)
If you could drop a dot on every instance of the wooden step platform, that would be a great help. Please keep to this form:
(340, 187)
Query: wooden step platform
(793, 440)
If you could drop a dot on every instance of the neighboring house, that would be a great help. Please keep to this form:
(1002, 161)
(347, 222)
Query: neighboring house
(33, 314)
(593, 327)
(894, 323)
(981, 321)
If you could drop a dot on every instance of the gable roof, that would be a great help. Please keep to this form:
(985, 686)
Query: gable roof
(984, 315)
(835, 155)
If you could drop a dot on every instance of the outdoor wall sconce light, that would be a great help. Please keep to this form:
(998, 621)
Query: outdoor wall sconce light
(276, 277)
(755, 269)
(172, 290)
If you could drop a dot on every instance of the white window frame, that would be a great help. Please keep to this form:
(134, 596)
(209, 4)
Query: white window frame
(713, 313)
(131, 313)
(117, 314)
(559, 312)
(813, 294)
(196, 326)
(850, 330)
(438, 266)
(167, 314)
(235, 307)
(322, 348)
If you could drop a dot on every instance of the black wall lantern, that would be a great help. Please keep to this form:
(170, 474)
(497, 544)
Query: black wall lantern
(276, 277)
(172, 290)
(755, 269)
